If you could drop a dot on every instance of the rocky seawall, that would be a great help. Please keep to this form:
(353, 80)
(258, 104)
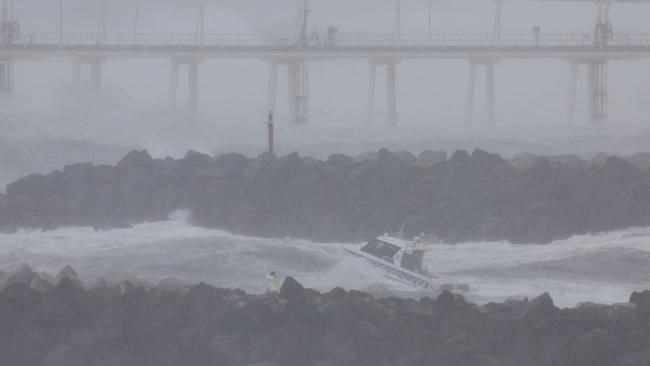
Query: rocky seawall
(54, 321)
(463, 197)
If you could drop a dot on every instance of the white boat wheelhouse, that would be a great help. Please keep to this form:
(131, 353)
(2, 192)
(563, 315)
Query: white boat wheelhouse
(405, 254)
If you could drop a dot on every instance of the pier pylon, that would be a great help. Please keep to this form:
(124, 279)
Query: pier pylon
(598, 93)
(6, 76)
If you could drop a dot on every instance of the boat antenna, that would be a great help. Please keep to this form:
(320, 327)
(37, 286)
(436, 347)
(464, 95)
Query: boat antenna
(401, 231)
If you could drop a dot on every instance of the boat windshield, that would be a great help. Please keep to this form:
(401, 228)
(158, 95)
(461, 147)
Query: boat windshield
(381, 250)
(413, 261)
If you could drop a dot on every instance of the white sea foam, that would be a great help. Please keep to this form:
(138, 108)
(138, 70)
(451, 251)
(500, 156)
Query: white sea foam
(174, 248)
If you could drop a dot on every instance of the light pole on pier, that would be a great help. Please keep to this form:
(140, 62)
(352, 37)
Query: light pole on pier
(430, 19)
(5, 12)
(199, 35)
(61, 23)
(397, 24)
(305, 10)
(137, 19)
(101, 27)
(9, 34)
(498, 23)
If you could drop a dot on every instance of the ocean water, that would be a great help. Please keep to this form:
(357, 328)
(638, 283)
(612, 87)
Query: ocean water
(603, 268)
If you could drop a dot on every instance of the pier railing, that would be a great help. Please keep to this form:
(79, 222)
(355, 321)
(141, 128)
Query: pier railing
(144, 40)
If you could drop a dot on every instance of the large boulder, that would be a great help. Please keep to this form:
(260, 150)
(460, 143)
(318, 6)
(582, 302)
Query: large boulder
(466, 349)
(641, 299)
(523, 161)
(540, 309)
(639, 358)
(230, 349)
(338, 346)
(63, 356)
(370, 343)
(428, 158)
(29, 185)
(597, 347)
(292, 291)
(290, 344)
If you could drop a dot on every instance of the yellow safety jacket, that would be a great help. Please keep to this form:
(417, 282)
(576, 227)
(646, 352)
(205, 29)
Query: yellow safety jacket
(274, 284)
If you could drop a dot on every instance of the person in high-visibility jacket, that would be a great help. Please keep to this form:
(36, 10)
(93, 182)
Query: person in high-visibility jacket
(274, 284)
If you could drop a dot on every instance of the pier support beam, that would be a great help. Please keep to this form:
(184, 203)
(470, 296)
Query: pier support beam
(391, 89)
(598, 92)
(490, 90)
(95, 67)
(292, 96)
(490, 94)
(471, 93)
(96, 75)
(6, 77)
(573, 92)
(591, 86)
(391, 82)
(297, 88)
(298, 76)
(173, 85)
(193, 91)
(192, 65)
(274, 70)
(76, 72)
(370, 106)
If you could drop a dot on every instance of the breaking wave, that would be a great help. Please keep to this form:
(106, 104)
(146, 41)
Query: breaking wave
(603, 268)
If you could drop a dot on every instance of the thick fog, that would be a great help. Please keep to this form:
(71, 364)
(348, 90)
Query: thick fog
(133, 108)
(535, 205)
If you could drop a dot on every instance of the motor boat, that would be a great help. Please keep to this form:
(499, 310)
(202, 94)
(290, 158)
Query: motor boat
(403, 260)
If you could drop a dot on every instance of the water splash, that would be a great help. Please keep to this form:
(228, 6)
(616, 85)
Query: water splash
(494, 270)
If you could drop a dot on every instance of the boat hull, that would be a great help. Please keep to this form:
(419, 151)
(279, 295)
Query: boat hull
(417, 280)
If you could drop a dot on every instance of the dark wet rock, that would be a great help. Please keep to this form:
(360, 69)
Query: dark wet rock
(641, 299)
(231, 349)
(429, 158)
(68, 325)
(597, 347)
(292, 291)
(640, 160)
(465, 349)
(69, 273)
(29, 185)
(570, 160)
(523, 161)
(135, 159)
(467, 197)
(43, 282)
(328, 363)
(640, 358)
(599, 158)
(302, 313)
(341, 161)
(540, 309)
(63, 355)
(338, 346)
(22, 275)
(7, 215)
(370, 342)
(294, 344)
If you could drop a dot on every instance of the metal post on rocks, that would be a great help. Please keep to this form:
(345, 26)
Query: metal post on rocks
(270, 125)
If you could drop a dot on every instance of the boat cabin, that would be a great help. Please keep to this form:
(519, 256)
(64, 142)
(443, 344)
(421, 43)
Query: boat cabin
(396, 251)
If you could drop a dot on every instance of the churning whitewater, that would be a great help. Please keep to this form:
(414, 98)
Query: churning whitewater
(602, 268)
